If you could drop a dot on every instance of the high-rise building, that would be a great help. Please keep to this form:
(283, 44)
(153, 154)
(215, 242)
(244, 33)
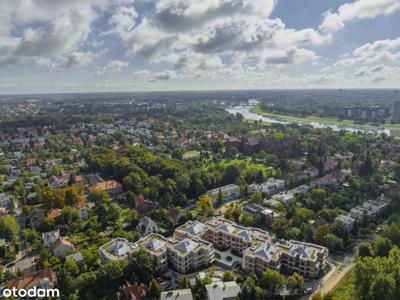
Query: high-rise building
(396, 112)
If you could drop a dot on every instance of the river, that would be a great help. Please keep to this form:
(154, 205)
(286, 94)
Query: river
(247, 114)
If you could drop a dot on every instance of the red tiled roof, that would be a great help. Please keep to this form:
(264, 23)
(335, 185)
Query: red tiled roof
(54, 213)
(139, 291)
(60, 242)
(32, 279)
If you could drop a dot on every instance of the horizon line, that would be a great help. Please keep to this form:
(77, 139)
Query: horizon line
(198, 91)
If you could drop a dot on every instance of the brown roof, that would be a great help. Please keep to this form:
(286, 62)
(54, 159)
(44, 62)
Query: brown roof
(32, 279)
(54, 213)
(105, 185)
(138, 291)
(60, 242)
(142, 204)
(80, 205)
(174, 214)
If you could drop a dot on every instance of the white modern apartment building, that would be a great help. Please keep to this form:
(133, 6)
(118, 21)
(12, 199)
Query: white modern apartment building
(270, 187)
(288, 256)
(257, 247)
(370, 209)
(183, 256)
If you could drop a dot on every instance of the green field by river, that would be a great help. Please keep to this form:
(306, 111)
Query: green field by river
(310, 119)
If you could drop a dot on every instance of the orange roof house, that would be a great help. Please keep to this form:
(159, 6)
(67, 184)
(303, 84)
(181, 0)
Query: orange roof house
(61, 247)
(54, 213)
(111, 186)
(42, 278)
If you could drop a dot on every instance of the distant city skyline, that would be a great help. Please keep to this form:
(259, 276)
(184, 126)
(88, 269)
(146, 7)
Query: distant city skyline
(146, 45)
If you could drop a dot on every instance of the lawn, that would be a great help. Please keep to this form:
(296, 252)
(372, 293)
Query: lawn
(243, 164)
(191, 154)
(346, 288)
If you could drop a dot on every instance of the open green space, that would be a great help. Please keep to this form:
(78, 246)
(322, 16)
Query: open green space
(332, 121)
(345, 289)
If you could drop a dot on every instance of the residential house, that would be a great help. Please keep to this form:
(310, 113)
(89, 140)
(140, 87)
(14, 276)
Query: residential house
(54, 213)
(62, 247)
(132, 292)
(146, 226)
(77, 257)
(347, 221)
(6, 200)
(268, 188)
(83, 210)
(112, 187)
(46, 278)
(143, 205)
(330, 165)
(266, 215)
(223, 290)
(370, 209)
(36, 217)
(185, 294)
(288, 146)
(307, 173)
(229, 192)
(49, 238)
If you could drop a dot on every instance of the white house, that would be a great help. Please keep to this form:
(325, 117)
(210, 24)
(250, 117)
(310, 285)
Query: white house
(222, 290)
(347, 221)
(49, 238)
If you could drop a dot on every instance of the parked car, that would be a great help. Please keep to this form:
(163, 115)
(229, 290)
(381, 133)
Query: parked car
(308, 290)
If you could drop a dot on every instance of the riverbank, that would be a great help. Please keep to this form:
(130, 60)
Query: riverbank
(328, 121)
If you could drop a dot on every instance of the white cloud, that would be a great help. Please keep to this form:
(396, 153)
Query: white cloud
(378, 52)
(113, 66)
(370, 63)
(359, 9)
(200, 34)
(123, 21)
(290, 56)
(154, 76)
(192, 42)
(185, 15)
(52, 31)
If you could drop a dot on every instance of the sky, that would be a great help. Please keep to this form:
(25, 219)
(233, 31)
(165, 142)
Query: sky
(148, 45)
